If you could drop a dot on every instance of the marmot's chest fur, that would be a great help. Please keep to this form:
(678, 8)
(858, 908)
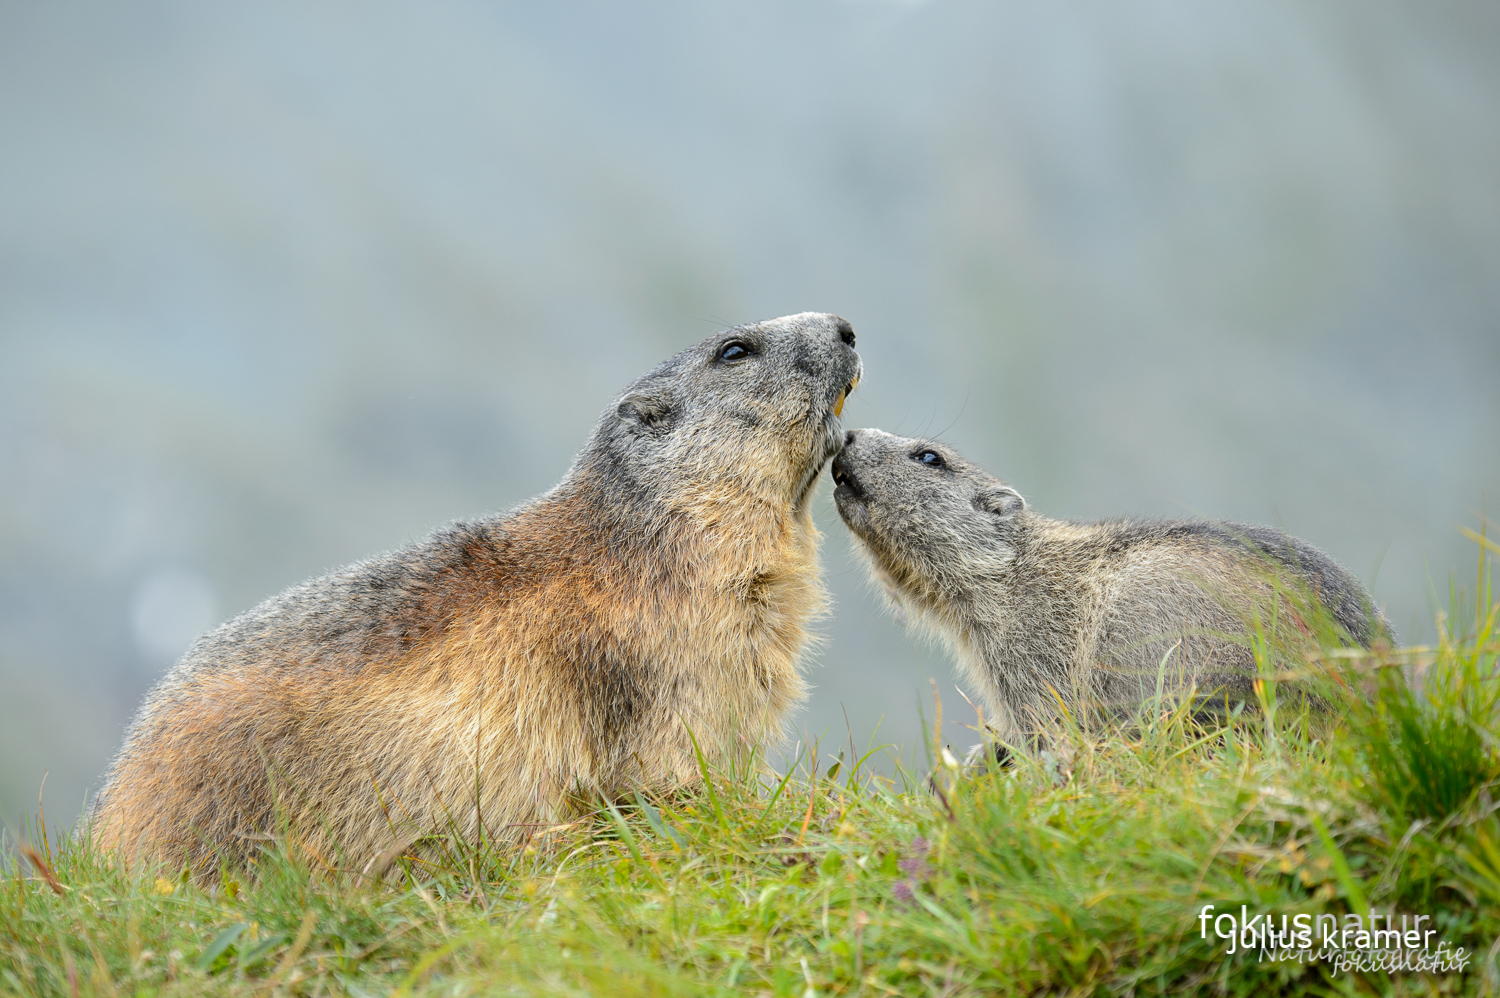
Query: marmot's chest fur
(500, 669)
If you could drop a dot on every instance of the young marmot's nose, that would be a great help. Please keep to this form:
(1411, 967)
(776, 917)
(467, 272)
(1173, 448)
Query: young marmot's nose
(849, 437)
(843, 479)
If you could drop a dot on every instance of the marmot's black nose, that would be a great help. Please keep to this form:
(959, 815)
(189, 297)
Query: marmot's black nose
(848, 438)
(846, 332)
(843, 478)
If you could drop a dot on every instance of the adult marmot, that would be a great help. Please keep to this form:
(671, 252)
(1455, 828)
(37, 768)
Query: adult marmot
(477, 680)
(1038, 610)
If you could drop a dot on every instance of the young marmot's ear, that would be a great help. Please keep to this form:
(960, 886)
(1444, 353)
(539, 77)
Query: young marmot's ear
(650, 410)
(1001, 500)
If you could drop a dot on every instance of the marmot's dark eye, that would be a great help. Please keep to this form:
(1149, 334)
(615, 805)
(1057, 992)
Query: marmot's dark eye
(735, 350)
(931, 458)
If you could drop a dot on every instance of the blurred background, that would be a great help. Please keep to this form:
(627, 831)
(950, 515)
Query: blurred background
(286, 284)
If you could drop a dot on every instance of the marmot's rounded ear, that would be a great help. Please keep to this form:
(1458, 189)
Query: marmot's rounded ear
(651, 410)
(1001, 500)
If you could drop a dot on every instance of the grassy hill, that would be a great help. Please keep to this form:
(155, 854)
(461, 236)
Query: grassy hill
(1082, 869)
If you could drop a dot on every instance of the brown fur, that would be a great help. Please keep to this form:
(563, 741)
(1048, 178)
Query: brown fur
(489, 675)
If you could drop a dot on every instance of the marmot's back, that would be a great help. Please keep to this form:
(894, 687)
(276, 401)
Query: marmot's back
(1328, 581)
(371, 611)
(1037, 609)
(491, 673)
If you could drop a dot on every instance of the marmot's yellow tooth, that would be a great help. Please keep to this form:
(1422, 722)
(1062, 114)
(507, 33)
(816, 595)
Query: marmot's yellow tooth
(854, 384)
(838, 405)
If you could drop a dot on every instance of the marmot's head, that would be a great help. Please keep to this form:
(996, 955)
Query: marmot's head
(746, 418)
(932, 523)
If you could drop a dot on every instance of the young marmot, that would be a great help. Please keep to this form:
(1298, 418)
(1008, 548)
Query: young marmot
(485, 677)
(1038, 611)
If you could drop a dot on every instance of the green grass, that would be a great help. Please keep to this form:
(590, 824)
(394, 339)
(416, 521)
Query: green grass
(1080, 871)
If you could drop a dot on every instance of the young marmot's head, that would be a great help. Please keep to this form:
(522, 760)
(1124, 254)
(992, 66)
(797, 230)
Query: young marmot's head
(747, 418)
(933, 524)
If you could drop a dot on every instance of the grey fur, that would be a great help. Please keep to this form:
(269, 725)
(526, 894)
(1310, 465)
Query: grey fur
(1039, 611)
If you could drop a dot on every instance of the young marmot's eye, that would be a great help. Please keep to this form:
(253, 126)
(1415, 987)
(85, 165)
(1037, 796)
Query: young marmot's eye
(735, 350)
(931, 458)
